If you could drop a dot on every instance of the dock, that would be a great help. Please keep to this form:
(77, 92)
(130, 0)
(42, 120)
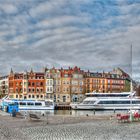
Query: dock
(62, 107)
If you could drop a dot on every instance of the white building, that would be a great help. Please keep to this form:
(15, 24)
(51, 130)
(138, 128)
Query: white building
(4, 85)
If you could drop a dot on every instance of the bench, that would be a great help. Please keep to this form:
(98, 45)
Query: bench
(123, 118)
(33, 116)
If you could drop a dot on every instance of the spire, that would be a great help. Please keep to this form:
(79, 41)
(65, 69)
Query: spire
(11, 72)
(31, 70)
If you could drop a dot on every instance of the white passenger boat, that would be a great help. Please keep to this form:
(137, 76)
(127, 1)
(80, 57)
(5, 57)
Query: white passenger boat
(109, 103)
(33, 104)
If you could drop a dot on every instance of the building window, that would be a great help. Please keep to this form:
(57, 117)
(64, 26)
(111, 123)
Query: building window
(37, 83)
(33, 96)
(50, 96)
(51, 89)
(41, 96)
(29, 84)
(48, 89)
(29, 96)
(37, 90)
(33, 90)
(16, 96)
(41, 83)
(37, 96)
(51, 82)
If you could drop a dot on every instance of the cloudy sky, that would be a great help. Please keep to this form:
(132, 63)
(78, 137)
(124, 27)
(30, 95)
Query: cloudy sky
(92, 34)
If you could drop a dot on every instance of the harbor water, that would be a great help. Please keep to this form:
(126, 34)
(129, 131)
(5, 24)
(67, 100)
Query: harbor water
(73, 112)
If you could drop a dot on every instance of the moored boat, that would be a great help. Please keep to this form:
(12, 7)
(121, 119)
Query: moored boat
(110, 103)
(32, 104)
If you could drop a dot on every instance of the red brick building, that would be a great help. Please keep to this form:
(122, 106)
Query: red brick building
(28, 85)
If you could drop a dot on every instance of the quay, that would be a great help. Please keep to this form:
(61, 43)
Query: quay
(62, 107)
(60, 127)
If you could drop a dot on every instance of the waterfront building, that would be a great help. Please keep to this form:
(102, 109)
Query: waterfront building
(28, 85)
(63, 85)
(4, 86)
(77, 84)
(105, 82)
(53, 84)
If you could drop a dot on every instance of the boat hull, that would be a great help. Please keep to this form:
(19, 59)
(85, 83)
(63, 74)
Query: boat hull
(104, 107)
(36, 108)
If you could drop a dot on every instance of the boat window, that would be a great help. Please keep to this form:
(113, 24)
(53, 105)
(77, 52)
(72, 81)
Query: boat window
(92, 102)
(30, 103)
(16, 103)
(22, 103)
(86, 102)
(114, 102)
(48, 103)
(135, 102)
(38, 104)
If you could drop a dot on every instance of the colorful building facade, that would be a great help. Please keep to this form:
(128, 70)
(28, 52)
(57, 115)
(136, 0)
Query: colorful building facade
(62, 85)
(28, 85)
(4, 86)
(104, 82)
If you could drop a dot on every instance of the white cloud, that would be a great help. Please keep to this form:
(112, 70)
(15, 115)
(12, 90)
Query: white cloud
(8, 8)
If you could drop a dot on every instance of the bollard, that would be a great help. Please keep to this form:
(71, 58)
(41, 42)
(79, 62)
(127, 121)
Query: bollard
(94, 111)
(25, 115)
(114, 111)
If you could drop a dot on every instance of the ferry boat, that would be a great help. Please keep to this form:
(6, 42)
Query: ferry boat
(109, 103)
(32, 104)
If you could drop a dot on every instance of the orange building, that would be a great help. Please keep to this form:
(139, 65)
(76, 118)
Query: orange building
(104, 82)
(29, 85)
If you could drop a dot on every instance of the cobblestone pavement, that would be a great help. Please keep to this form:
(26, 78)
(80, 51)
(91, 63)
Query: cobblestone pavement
(103, 129)
(97, 130)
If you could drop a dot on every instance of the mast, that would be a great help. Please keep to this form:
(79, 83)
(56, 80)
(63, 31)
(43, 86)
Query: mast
(131, 72)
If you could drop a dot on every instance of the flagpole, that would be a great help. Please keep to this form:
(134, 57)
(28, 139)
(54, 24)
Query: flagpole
(131, 86)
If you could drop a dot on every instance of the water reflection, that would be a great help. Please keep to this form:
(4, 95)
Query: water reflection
(71, 112)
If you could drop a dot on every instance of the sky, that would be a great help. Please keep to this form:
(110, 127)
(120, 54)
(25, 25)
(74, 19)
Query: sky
(91, 34)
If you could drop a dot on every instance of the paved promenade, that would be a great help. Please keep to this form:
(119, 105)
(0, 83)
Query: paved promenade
(67, 128)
